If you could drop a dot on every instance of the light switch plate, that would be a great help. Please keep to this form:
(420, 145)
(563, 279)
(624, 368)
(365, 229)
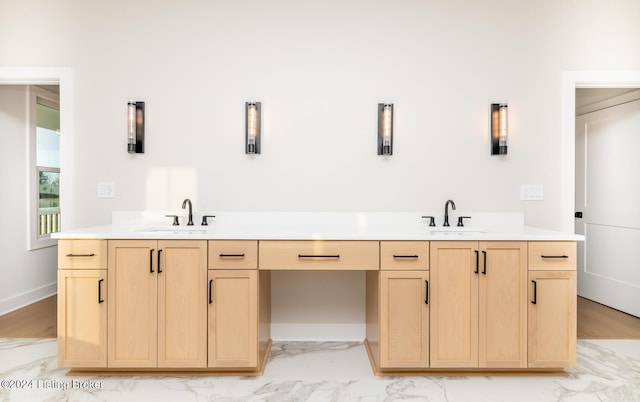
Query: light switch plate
(531, 192)
(106, 189)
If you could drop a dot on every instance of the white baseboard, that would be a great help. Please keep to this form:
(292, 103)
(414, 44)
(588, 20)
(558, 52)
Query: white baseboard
(318, 332)
(24, 299)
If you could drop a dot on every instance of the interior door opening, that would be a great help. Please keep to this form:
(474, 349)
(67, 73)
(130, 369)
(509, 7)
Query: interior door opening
(607, 129)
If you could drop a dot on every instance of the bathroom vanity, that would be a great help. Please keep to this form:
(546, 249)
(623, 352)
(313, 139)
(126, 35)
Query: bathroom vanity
(144, 296)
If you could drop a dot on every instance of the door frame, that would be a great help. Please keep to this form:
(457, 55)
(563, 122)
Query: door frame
(62, 76)
(570, 81)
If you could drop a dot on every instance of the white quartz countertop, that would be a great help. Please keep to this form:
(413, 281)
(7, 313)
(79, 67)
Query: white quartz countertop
(319, 226)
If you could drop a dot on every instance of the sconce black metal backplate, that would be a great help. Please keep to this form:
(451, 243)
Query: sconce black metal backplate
(252, 139)
(496, 148)
(385, 147)
(139, 117)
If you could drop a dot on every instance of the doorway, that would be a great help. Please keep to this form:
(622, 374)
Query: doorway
(572, 80)
(31, 273)
(62, 77)
(606, 173)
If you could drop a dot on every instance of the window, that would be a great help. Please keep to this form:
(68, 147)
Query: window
(44, 144)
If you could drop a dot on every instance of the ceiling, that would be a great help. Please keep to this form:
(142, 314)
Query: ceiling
(51, 88)
(589, 96)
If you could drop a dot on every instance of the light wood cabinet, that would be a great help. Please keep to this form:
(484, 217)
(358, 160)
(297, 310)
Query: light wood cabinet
(478, 310)
(157, 309)
(182, 309)
(454, 304)
(319, 255)
(404, 319)
(233, 318)
(205, 305)
(82, 254)
(404, 255)
(552, 256)
(502, 320)
(552, 319)
(82, 303)
(233, 254)
(397, 307)
(82, 318)
(552, 316)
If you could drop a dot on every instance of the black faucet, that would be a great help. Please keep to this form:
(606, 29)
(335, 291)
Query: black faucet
(446, 211)
(188, 201)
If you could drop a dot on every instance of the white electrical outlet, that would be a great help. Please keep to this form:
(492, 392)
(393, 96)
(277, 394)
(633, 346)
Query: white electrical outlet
(106, 189)
(531, 192)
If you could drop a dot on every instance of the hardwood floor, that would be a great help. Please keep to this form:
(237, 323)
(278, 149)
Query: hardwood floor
(595, 321)
(37, 320)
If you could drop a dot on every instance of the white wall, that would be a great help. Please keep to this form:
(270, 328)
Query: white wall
(26, 275)
(319, 68)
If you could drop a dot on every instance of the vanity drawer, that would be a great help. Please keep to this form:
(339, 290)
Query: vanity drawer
(82, 254)
(233, 254)
(404, 255)
(319, 255)
(552, 255)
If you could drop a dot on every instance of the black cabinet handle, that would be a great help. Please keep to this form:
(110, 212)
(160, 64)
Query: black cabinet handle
(477, 262)
(484, 267)
(151, 260)
(535, 292)
(210, 291)
(222, 255)
(405, 256)
(80, 255)
(554, 256)
(318, 255)
(426, 298)
(100, 291)
(159, 256)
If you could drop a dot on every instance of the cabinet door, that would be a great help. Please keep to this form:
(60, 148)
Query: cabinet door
(404, 319)
(233, 318)
(182, 308)
(133, 303)
(502, 330)
(82, 318)
(454, 304)
(552, 319)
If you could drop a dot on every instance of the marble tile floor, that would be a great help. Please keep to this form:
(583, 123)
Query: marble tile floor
(607, 370)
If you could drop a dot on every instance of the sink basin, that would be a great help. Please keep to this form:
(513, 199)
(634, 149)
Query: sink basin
(177, 230)
(456, 231)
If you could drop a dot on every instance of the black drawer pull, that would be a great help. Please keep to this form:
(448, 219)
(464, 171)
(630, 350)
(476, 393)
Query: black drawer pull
(405, 256)
(426, 297)
(554, 256)
(159, 257)
(484, 265)
(318, 255)
(81, 255)
(477, 262)
(210, 291)
(151, 261)
(100, 300)
(535, 292)
(222, 255)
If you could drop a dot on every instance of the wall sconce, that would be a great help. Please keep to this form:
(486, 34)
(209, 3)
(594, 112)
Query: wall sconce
(499, 128)
(385, 128)
(252, 127)
(135, 142)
